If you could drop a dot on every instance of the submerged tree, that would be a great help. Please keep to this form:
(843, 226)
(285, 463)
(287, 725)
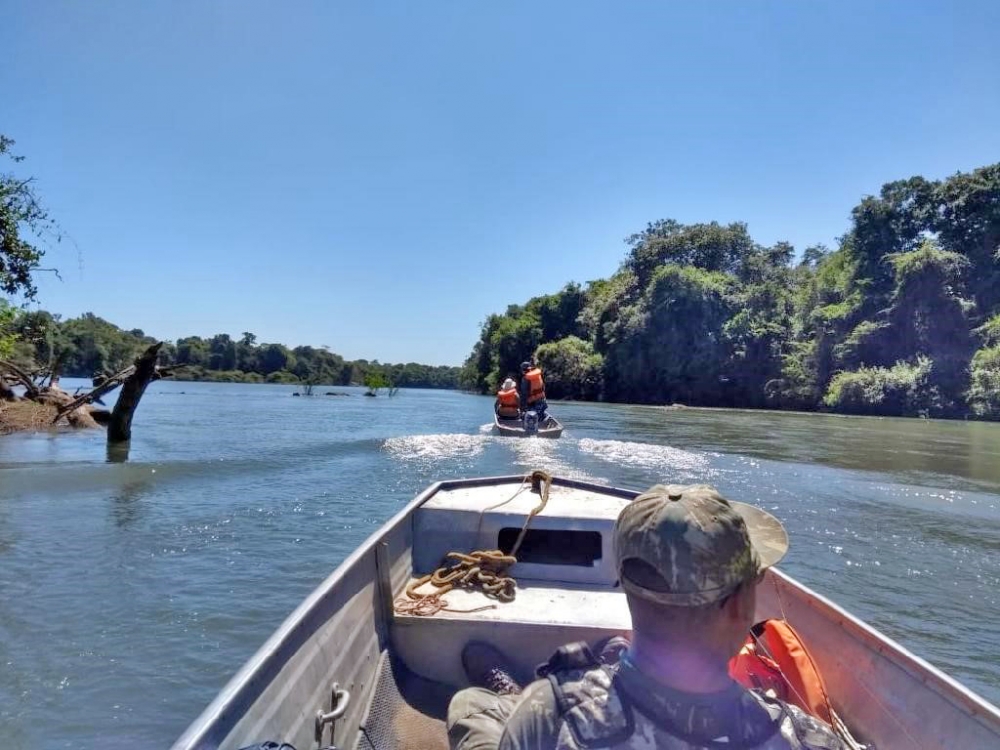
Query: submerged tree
(375, 381)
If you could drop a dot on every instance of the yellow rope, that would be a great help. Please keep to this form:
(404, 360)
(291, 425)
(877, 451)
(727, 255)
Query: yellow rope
(482, 570)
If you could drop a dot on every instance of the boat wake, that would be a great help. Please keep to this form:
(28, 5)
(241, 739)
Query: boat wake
(541, 453)
(675, 464)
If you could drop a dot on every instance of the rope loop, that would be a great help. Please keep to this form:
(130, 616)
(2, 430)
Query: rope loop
(481, 570)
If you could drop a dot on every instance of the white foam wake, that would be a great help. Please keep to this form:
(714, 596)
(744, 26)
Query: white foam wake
(543, 453)
(672, 463)
(433, 447)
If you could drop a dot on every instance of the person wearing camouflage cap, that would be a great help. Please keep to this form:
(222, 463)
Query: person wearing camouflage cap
(688, 561)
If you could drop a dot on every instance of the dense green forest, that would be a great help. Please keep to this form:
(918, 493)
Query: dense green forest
(901, 318)
(81, 347)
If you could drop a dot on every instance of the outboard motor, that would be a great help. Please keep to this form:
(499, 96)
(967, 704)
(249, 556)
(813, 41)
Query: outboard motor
(531, 422)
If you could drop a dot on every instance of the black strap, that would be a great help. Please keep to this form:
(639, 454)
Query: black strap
(571, 656)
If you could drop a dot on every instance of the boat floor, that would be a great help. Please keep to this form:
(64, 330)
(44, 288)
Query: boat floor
(406, 712)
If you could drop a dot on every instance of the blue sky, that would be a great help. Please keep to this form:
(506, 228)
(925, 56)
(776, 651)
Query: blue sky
(379, 177)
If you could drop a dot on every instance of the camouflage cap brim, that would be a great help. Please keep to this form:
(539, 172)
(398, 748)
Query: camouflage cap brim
(767, 535)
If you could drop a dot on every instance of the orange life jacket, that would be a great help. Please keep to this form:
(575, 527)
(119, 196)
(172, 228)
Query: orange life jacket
(774, 658)
(537, 393)
(509, 404)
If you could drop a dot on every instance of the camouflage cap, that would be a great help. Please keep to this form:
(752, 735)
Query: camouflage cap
(702, 545)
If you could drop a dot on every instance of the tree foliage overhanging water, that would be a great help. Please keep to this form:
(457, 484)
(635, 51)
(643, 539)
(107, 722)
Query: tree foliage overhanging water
(902, 318)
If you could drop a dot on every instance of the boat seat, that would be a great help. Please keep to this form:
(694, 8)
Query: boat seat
(569, 541)
(406, 712)
(567, 587)
(528, 630)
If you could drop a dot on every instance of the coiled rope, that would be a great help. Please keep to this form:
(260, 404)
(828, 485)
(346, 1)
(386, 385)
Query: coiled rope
(482, 570)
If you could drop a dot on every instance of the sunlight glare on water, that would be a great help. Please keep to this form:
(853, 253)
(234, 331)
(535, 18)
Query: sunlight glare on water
(553, 455)
(675, 465)
(435, 447)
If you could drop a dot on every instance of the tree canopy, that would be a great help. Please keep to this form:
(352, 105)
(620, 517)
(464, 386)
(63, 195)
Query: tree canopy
(23, 220)
(903, 317)
(89, 345)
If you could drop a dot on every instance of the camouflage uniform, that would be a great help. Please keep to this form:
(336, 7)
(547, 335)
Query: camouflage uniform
(622, 709)
(703, 548)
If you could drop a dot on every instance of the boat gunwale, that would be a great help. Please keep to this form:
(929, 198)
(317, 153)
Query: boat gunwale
(914, 666)
(266, 658)
(281, 638)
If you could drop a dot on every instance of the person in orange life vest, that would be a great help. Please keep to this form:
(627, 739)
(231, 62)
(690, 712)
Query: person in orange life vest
(533, 390)
(507, 403)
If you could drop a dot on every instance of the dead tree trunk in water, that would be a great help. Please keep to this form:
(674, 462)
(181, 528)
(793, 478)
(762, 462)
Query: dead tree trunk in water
(107, 385)
(120, 426)
(22, 378)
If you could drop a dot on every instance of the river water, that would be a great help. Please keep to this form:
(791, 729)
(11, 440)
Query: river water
(130, 593)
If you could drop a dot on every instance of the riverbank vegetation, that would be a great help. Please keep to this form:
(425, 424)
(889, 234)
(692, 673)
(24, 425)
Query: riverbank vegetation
(41, 344)
(901, 318)
(89, 345)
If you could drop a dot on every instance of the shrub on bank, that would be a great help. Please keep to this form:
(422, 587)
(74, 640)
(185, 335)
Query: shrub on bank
(903, 390)
(572, 369)
(984, 388)
(282, 376)
(200, 374)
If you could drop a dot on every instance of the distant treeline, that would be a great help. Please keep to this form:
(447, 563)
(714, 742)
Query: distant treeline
(902, 318)
(88, 345)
